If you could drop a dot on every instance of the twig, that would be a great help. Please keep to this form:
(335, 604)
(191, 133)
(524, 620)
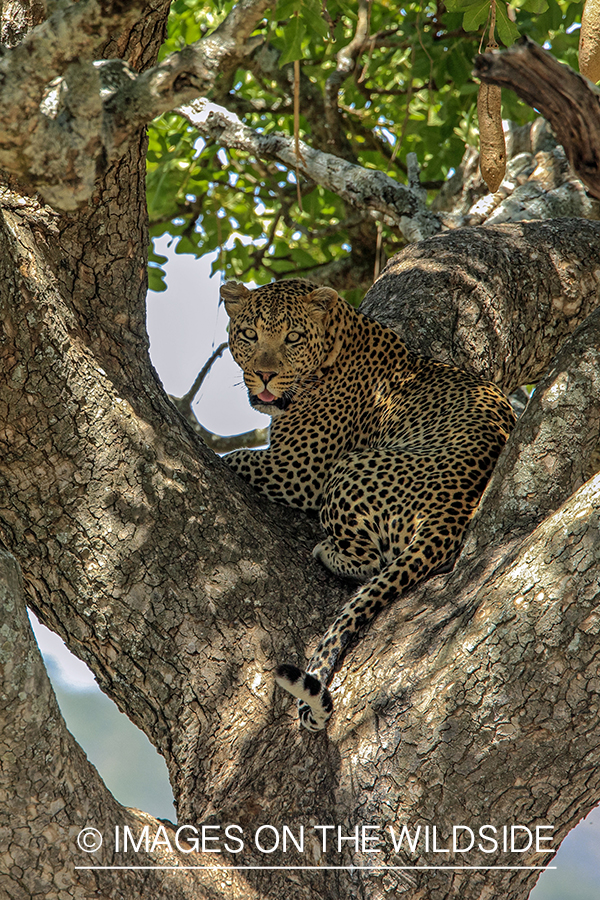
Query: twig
(189, 397)
(363, 188)
(217, 442)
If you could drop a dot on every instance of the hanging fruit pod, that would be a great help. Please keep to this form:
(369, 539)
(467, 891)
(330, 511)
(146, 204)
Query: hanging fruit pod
(492, 149)
(589, 41)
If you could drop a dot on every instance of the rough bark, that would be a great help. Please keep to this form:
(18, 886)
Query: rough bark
(82, 111)
(51, 794)
(471, 700)
(539, 184)
(262, 770)
(113, 463)
(497, 300)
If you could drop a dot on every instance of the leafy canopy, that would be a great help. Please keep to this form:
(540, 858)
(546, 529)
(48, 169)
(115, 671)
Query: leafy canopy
(409, 89)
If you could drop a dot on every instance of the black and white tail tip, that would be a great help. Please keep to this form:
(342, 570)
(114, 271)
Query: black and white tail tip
(314, 700)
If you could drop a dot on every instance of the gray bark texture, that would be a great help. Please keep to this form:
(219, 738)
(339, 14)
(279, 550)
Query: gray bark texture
(473, 700)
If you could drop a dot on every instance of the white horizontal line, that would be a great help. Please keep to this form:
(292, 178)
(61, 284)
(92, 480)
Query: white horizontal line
(320, 868)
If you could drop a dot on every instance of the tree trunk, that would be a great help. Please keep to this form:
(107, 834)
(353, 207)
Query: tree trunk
(471, 701)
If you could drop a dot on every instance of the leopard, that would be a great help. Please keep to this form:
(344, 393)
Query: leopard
(393, 450)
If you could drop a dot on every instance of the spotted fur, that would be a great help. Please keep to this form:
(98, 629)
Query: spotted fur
(394, 450)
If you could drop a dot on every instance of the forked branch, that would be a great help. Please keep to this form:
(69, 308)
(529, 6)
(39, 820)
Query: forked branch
(217, 442)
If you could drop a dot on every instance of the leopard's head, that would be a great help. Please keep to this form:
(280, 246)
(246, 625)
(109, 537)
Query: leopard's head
(278, 336)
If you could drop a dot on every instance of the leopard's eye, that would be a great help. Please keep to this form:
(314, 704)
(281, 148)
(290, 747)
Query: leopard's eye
(292, 337)
(249, 334)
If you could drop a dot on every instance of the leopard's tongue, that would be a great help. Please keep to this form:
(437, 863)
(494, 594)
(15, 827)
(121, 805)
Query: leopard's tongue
(266, 396)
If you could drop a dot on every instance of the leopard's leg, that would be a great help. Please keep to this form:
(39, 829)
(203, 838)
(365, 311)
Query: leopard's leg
(281, 476)
(427, 552)
(329, 555)
(367, 511)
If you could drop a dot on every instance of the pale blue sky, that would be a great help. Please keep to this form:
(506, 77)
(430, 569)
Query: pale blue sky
(186, 324)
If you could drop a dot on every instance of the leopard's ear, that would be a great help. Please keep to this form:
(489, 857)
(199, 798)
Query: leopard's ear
(234, 295)
(322, 300)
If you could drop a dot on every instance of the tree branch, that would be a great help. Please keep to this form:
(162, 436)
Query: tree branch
(205, 67)
(182, 588)
(362, 188)
(552, 450)
(494, 300)
(51, 794)
(165, 576)
(475, 695)
(508, 673)
(32, 139)
(539, 184)
(62, 116)
(219, 443)
(229, 44)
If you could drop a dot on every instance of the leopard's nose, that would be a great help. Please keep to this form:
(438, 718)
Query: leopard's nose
(266, 376)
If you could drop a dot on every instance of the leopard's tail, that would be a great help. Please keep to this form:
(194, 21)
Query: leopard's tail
(314, 700)
(310, 687)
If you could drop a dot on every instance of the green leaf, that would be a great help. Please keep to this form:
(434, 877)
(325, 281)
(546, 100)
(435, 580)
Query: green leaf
(285, 9)
(156, 279)
(311, 13)
(280, 266)
(537, 7)
(507, 30)
(461, 5)
(476, 15)
(154, 257)
(302, 257)
(294, 33)
(186, 245)
(459, 67)
(208, 196)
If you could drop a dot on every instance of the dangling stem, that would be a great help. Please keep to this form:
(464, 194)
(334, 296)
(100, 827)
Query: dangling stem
(297, 127)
